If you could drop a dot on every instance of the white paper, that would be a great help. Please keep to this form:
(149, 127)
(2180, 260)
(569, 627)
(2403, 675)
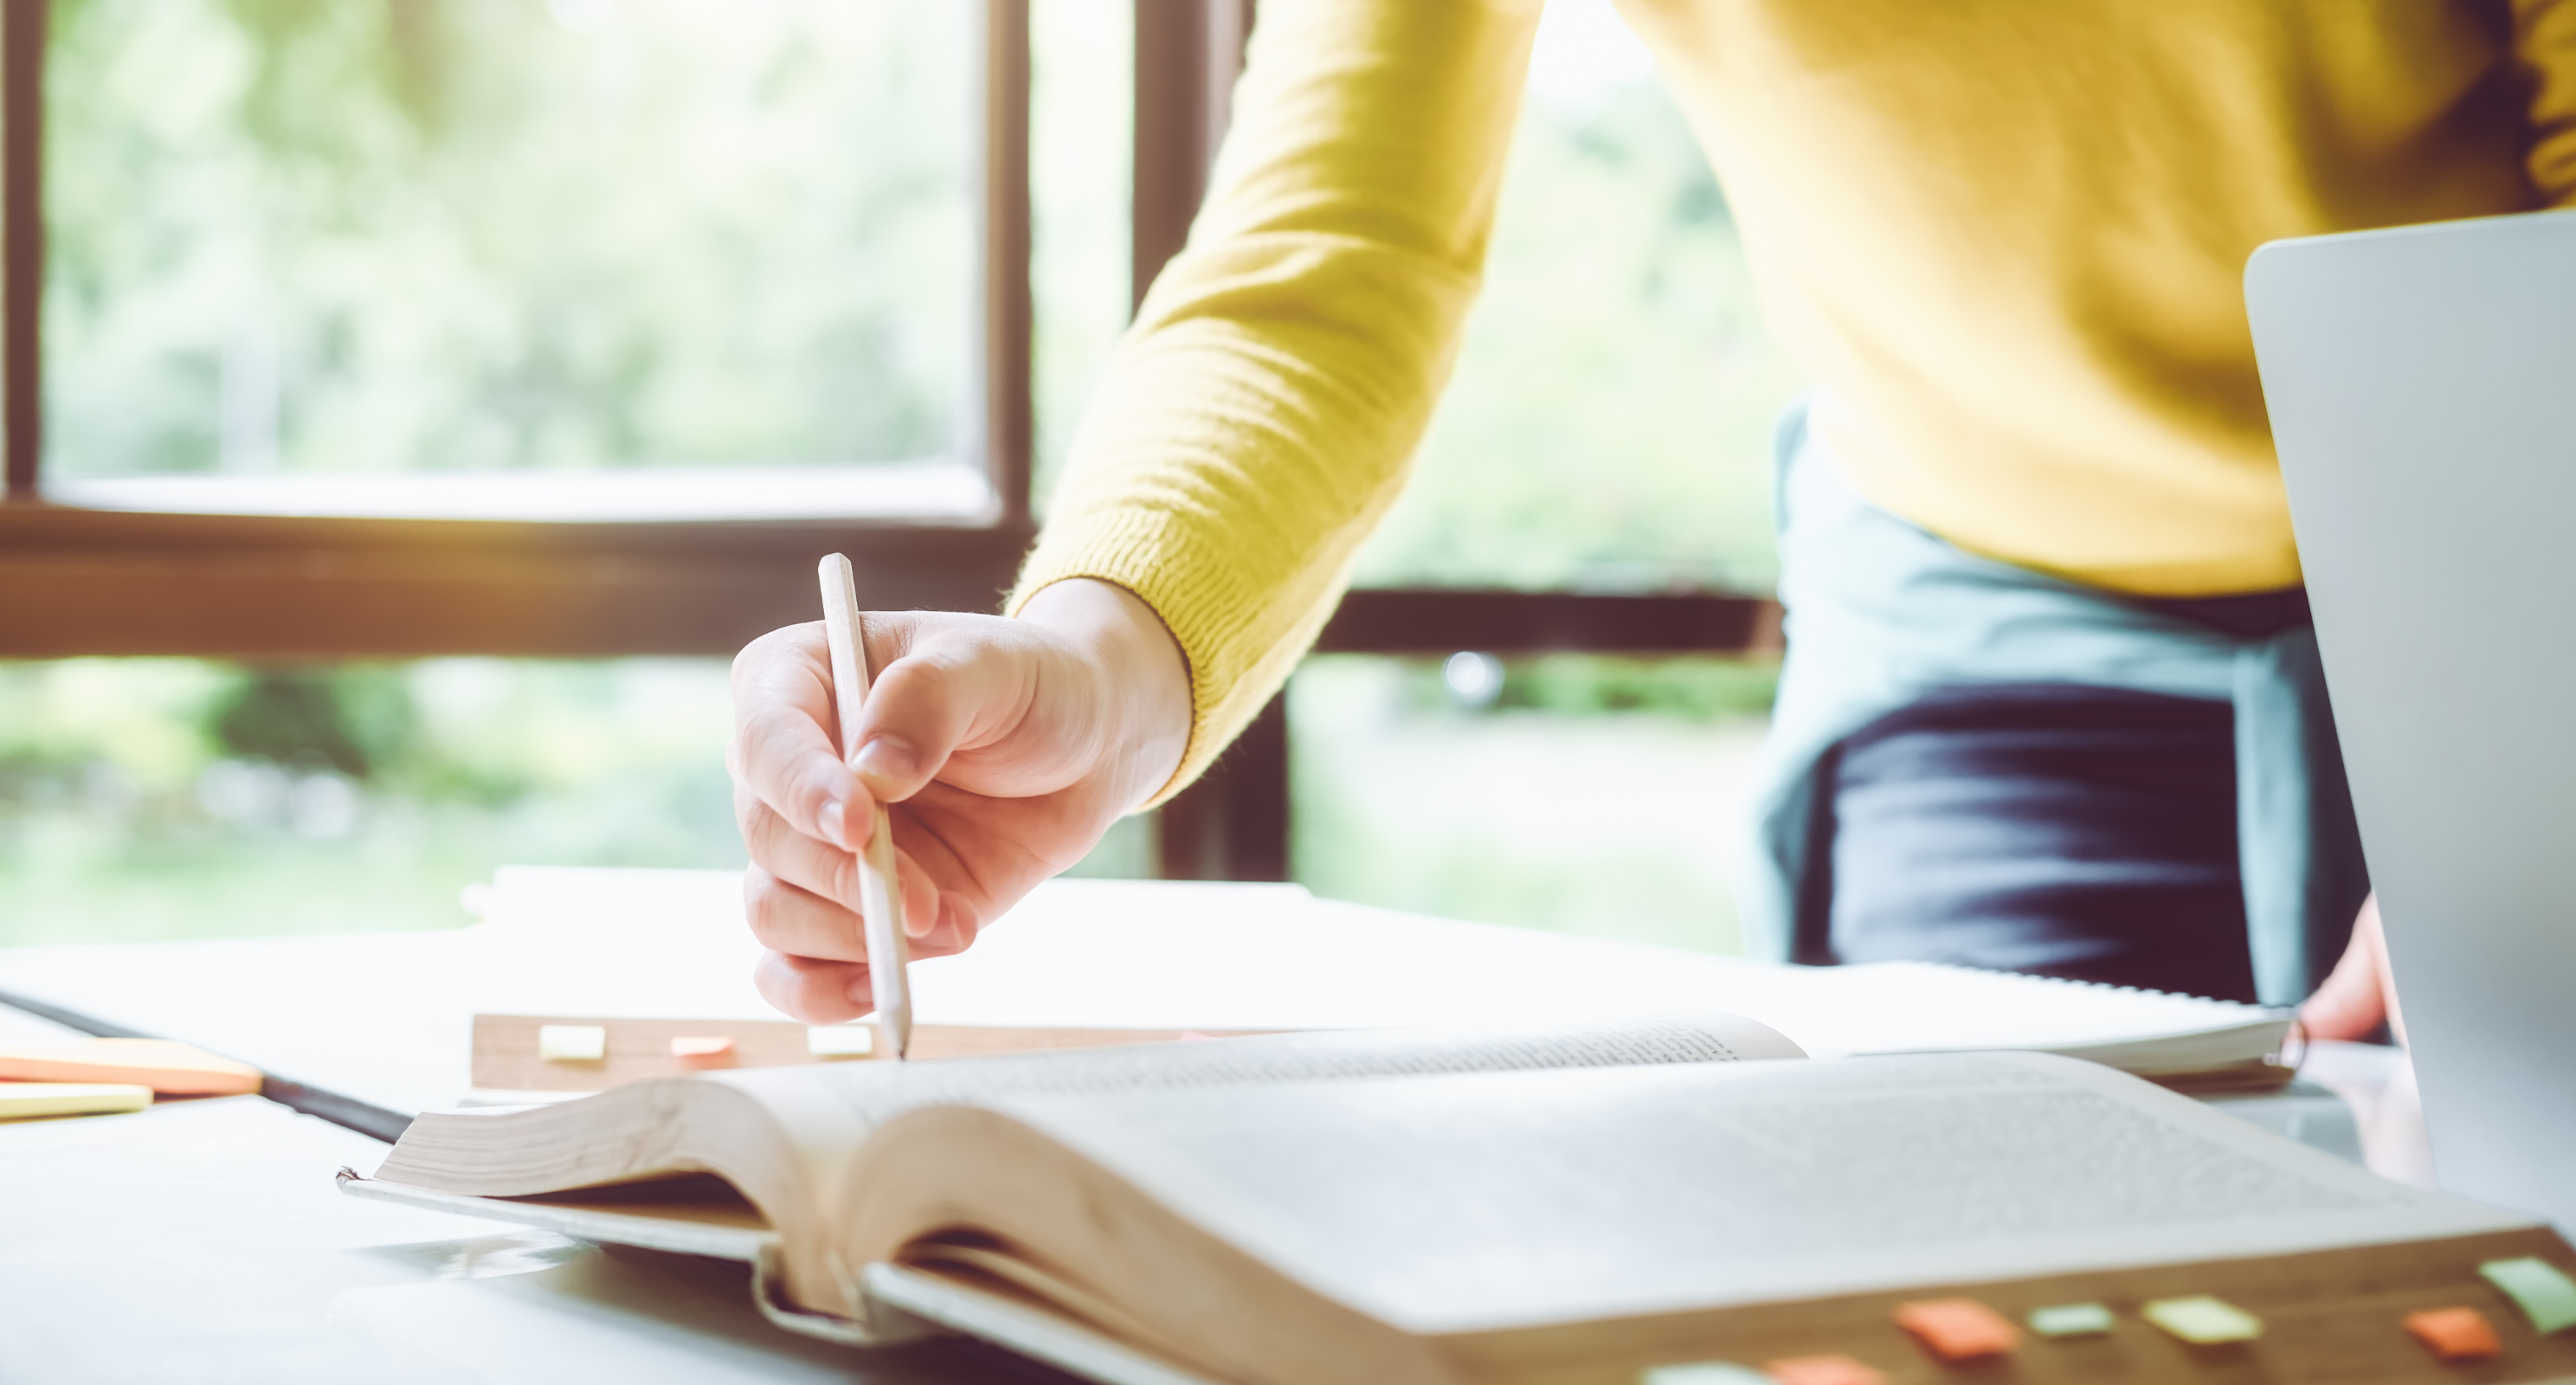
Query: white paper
(1171, 955)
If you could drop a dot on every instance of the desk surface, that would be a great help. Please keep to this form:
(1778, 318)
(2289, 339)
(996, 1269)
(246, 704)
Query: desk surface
(205, 1241)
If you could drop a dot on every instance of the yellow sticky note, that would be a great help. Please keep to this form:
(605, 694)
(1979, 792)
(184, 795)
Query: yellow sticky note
(23, 1099)
(572, 1043)
(841, 1040)
(2540, 1289)
(2202, 1320)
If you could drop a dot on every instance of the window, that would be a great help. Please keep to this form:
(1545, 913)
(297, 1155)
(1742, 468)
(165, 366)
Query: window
(1580, 793)
(157, 797)
(577, 260)
(543, 327)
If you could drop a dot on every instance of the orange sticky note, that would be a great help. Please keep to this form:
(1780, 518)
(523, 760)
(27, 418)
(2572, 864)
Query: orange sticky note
(2455, 1334)
(1958, 1329)
(172, 1069)
(703, 1051)
(1824, 1370)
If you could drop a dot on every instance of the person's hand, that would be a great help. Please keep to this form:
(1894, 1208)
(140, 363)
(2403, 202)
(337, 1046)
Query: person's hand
(1005, 747)
(2360, 992)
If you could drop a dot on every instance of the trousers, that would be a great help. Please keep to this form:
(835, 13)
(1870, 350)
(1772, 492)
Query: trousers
(1973, 762)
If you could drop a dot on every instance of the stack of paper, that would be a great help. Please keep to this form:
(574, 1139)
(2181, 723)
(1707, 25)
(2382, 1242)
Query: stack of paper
(1154, 955)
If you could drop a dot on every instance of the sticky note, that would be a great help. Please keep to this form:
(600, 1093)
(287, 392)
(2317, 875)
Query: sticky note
(175, 1069)
(1823, 1370)
(1958, 1329)
(23, 1099)
(705, 1046)
(2203, 1321)
(2540, 1289)
(1704, 1373)
(2455, 1334)
(841, 1040)
(572, 1043)
(2071, 1320)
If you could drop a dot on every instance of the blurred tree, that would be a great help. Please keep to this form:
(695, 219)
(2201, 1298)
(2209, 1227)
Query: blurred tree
(321, 235)
(1608, 425)
(354, 720)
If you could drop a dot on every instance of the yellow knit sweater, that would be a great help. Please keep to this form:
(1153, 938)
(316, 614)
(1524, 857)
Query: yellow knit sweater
(2003, 236)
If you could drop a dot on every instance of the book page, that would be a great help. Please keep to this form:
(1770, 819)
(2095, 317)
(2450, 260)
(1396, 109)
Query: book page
(826, 1111)
(1506, 1200)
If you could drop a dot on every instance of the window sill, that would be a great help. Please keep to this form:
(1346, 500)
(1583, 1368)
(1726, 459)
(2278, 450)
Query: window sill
(936, 493)
(268, 587)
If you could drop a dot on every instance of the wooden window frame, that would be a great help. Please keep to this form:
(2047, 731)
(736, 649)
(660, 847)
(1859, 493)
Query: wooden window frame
(77, 581)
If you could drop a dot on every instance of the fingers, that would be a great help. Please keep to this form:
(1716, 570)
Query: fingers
(784, 745)
(778, 849)
(816, 968)
(2369, 924)
(921, 894)
(2356, 995)
(799, 922)
(789, 917)
(815, 991)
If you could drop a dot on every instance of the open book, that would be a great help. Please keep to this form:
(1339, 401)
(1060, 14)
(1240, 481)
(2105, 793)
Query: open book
(1484, 1203)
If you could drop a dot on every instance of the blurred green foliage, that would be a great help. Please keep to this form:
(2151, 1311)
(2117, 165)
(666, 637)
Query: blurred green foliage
(354, 721)
(157, 798)
(1608, 426)
(463, 234)
(1687, 688)
(1542, 809)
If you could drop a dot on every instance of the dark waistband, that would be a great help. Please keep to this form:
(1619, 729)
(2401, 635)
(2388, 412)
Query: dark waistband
(2247, 616)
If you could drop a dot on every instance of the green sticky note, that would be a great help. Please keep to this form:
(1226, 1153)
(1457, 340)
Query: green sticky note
(2202, 1320)
(1704, 1373)
(2071, 1320)
(2540, 1289)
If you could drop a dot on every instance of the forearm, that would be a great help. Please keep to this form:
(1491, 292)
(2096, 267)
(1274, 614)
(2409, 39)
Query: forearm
(1259, 419)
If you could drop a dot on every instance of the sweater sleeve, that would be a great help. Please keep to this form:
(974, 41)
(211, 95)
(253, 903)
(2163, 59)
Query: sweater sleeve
(2545, 50)
(1261, 414)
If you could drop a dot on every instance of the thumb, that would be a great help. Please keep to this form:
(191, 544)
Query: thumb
(939, 694)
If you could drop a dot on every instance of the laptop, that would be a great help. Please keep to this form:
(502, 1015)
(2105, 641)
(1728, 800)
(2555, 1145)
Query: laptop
(2422, 388)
